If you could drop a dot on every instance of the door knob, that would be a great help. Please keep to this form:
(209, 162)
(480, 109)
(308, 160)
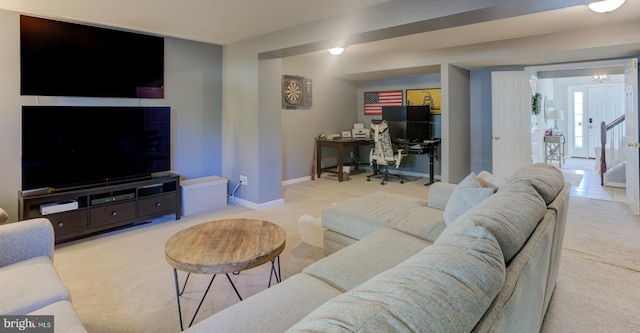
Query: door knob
(497, 137)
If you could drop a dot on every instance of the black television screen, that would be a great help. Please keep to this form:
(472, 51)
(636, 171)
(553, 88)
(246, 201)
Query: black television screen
(418, 113)
(419, 131)
(394, 113)
(67, 59)
(70, 146)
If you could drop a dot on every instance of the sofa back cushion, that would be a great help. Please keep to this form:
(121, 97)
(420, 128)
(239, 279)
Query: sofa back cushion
(447, 287)
(511, 215)
(521, 304)
(545, 178)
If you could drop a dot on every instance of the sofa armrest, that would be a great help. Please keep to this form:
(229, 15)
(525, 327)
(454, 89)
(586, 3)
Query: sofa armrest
(439, 194)
(3, 216)
(26, 239)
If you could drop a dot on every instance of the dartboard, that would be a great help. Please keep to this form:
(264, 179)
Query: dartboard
(292, 91)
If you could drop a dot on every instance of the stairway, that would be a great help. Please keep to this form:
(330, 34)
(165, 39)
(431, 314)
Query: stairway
(616, 176)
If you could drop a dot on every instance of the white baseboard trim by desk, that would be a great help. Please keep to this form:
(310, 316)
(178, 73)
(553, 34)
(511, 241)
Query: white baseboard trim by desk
(295, 181)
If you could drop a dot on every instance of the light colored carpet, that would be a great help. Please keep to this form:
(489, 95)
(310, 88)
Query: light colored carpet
(120, 281)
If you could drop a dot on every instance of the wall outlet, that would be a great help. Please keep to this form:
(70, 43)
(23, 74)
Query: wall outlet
(244, 180)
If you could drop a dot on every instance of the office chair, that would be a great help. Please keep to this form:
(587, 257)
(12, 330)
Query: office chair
(383, 154)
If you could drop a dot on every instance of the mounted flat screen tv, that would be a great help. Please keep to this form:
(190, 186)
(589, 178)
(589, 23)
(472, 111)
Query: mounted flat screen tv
(65, 147)
(67, 59)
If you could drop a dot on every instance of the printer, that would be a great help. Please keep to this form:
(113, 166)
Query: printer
(359, 132)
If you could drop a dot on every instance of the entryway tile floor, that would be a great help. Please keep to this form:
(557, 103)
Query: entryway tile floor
(589, 186)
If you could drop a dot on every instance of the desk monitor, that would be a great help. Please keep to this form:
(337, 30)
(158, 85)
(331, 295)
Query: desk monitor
(394, 113)
(418, 113)
(419, 131)
(397, 129)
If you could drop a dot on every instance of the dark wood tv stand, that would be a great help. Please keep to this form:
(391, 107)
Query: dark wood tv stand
(106, 207)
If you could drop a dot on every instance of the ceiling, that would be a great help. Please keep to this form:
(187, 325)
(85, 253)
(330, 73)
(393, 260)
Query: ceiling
(212, 21)
(514, 33)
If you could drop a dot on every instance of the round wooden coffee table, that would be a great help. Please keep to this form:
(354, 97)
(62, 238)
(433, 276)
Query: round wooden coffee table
(224, 246)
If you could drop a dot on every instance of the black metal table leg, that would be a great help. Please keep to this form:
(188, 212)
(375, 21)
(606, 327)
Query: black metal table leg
(234, 286)
(180, 292)
(273, 272)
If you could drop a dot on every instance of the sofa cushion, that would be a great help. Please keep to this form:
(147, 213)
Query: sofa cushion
(64, 315)
(34, 283)
(439, 194)
(545, 178)
(446, 287)
(510, 215)
(26, 239)
(465, 196)
(361, 216)
(374, 254)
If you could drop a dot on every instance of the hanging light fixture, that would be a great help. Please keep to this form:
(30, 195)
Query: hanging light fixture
(336, 50)
(600, 78)
(605, 6)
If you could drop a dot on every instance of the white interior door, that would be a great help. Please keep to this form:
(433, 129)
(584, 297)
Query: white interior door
(631, 128)
(511, 122)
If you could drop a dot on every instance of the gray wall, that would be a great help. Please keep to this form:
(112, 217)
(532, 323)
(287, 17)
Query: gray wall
(333, 110)
(480, 120)
(456, 136)
(193, 90)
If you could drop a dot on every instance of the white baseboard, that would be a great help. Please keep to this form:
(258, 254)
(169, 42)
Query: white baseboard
(295, 181)
(257, 206)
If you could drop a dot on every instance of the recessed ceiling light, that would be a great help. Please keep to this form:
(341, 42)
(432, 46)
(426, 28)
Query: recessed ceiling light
(605, 6)
(336, 50)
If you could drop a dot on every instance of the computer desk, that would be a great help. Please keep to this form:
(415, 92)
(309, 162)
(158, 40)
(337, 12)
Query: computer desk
(339, 144)
(429, 147)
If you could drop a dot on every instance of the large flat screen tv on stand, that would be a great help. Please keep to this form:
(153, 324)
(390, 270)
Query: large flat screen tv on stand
(66, 147)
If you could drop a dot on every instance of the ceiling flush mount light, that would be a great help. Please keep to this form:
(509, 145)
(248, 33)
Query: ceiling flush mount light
(605, 6)
(336, 50)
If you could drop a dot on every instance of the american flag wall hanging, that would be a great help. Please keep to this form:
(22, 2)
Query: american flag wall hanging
(375, 100)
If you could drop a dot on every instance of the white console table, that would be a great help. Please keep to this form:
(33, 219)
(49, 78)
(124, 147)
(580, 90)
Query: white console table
(554, 149)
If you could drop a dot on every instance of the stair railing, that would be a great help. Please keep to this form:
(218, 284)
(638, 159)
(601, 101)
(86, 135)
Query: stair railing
(615, 132)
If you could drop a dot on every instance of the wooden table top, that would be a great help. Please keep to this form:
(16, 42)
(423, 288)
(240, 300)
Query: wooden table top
(225, 246)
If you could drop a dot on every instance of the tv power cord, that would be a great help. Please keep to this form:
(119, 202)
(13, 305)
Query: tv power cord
(232, 197)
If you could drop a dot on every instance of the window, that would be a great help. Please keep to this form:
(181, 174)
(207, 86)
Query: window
(578, 113)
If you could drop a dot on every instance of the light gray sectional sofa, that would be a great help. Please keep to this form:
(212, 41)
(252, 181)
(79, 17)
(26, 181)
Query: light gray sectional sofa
(30, 283)
(464, 260)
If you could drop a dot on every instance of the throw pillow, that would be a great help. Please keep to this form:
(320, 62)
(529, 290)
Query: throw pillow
(466, 196)
(488, 180)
